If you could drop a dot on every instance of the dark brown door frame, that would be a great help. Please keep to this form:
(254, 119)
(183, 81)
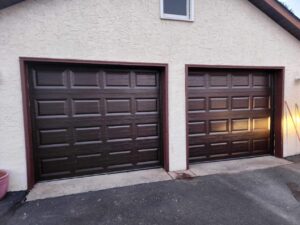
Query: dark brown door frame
(279, 73)
(25, 61)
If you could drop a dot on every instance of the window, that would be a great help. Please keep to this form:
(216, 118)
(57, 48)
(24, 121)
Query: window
(177, 9)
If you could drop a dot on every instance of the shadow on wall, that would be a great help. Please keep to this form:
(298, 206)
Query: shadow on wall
(297, 77)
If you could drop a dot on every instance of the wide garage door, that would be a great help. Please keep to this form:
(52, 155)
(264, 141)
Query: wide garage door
(90, 119)
(229, 113)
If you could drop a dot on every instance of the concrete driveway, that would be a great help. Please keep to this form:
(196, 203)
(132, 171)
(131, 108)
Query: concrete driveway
(267, 196)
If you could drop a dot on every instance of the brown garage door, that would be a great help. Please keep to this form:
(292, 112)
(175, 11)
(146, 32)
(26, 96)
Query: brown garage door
(229, 113)
(91, 119)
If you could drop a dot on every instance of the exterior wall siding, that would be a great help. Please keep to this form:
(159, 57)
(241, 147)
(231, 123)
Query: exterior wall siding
(224, 33)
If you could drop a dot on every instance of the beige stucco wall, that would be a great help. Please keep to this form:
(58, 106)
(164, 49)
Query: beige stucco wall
(225, 32)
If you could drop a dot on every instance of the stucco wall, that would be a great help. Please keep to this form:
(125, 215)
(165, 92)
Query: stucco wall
(228, 32)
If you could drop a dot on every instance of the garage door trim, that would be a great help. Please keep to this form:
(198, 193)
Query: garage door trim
(25, 61)
(279, 73)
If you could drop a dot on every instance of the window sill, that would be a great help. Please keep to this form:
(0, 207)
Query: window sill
(177, 19)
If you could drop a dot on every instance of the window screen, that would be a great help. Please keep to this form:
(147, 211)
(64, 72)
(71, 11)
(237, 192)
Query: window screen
(176, 7)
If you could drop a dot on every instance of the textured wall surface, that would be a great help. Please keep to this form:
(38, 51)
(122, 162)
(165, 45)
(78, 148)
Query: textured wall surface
(224, 32)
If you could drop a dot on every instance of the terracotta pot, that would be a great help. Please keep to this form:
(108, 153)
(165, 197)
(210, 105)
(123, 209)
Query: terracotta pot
(3, 183)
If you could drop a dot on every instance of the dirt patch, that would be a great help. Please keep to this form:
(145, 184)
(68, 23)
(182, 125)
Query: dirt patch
(183, 176)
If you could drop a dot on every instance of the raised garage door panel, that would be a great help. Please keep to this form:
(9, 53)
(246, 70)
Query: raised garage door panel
(88, 119)
(229, 113)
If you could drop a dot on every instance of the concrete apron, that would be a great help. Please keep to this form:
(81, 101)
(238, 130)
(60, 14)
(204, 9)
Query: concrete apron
(59, 188)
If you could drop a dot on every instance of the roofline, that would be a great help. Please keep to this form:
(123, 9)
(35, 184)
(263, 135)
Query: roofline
(280, 15)
(289, 10)
(272, 8)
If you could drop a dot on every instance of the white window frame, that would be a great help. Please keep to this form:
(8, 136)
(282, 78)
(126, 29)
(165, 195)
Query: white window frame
(190, 12)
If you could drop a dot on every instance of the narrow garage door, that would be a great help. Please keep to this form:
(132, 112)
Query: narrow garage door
(229, 114)
(90, 119)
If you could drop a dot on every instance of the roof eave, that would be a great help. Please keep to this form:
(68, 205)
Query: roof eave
(280, 15)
